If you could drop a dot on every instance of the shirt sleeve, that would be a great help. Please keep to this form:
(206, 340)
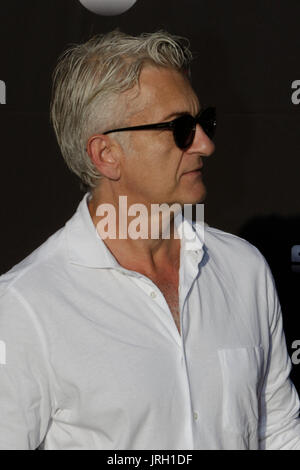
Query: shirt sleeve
(25, 393)
(279, 424)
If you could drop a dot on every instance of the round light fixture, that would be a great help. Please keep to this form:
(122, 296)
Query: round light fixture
(108, 7)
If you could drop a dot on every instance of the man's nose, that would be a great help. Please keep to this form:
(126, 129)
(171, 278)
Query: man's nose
(202, 144)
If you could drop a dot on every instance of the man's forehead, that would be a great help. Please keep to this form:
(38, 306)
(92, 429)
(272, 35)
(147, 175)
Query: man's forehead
(162, 92)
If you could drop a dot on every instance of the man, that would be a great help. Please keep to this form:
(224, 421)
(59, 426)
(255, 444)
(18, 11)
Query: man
(157, 342)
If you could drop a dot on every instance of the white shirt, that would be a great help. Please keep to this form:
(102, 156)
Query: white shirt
(92, 359)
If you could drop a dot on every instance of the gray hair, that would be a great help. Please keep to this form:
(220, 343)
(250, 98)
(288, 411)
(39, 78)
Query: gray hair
(88, 81)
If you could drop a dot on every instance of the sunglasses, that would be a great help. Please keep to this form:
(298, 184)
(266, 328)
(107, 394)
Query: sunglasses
(183, 127)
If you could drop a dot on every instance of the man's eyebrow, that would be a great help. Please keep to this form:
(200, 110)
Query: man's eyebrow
(176, 114)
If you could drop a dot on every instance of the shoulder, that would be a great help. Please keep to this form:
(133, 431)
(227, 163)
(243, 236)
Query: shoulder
(229, 241)
(31, 269)
(232, 252)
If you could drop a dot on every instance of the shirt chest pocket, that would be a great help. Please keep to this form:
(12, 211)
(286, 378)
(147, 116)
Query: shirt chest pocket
(242, 376)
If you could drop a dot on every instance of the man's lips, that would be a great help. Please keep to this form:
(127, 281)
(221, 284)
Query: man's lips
(195, 170)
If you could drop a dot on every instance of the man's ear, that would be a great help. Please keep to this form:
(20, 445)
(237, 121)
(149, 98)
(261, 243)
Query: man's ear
(104, 154)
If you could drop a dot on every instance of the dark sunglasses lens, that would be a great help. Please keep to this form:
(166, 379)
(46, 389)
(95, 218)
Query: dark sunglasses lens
(184, 131)
(208, 122)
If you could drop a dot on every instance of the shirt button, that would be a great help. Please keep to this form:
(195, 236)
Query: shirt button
(196, 416)
(153, 294)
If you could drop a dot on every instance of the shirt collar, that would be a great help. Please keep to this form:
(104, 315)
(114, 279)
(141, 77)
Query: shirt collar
(86, 248)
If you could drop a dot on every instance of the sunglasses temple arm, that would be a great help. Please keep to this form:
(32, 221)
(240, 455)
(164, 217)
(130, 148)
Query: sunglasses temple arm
(161, 125)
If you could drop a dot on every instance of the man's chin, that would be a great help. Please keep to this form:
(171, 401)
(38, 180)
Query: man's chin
(195, 197)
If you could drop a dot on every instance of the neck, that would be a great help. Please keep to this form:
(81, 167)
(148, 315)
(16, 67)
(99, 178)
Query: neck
(119, 221)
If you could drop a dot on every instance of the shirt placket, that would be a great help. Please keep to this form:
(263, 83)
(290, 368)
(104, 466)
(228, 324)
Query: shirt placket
(188, 272)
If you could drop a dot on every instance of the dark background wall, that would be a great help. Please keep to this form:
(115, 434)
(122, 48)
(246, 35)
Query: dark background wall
(246, 63)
